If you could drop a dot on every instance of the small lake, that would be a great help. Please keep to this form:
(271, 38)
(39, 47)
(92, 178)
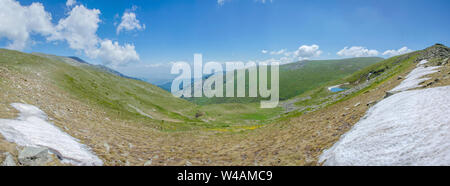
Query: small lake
(336, 89)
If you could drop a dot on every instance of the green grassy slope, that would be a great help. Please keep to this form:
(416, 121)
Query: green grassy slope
(369, 77)
(388, 68)
(297, 78)
(98, 87)
(127, 99)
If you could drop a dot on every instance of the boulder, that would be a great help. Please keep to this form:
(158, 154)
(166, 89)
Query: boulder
(446, 61)
(148, 163)
(371, 103)
(389, 93)
(107, 147)
(34, 156)
(9, 160)
(188, 163)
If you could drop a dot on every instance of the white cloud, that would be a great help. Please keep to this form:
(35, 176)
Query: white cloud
(303, 52)
(79, 29)
(306, 52)
(357, 51)
(111, 53)
(70, 3)
(279, 52)
(129, 23)
(18, 22)
(400, 51)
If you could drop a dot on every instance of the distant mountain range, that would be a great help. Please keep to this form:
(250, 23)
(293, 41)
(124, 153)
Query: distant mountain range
(104, 68)
(299, 77)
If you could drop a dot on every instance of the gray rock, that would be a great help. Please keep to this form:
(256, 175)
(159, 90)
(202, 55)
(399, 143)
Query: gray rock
(148, 163)
(371, 103)
(107, 147)
(9, 160)
(188, 163)
(445, 61)
(388, 93)
(34, 156)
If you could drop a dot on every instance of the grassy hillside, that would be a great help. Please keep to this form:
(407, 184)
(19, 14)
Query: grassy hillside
(126, 97)
(297, 78)
(366, 79)
(359, 82)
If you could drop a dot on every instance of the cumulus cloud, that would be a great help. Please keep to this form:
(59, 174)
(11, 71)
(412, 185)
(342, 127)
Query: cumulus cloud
(357, 51)
(18, 22)
(70, 3)
(306, 52)
(113, 54)
(279, 52)
(78, 29)
(129, 23)
(400, 51)
(303, 52)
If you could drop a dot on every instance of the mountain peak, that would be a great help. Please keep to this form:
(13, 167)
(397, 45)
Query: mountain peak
(436, 51)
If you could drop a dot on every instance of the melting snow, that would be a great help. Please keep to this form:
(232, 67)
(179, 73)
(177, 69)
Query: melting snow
(408, 128)
(423, 62)
(31, 128)
(335, 86)
(414, 78)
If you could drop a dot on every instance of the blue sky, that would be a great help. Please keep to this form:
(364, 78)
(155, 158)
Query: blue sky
(232, 30)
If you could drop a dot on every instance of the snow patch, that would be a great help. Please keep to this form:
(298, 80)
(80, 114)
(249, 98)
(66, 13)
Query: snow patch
(414, 78)
(423, 62)
(333, 87)
(407, 128)
(31, 128)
